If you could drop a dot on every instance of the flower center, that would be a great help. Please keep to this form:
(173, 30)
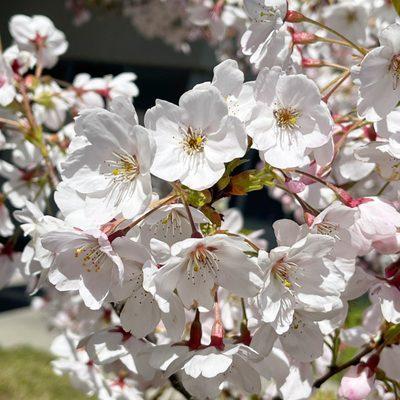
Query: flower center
(193, 141)
(394, 164)
(286, 117)
(281, 271)
(327, 228)
(170, 225)
(202, 260)
(91, 257)
(351, 17)
(265, 13)
(395, 70)
(125, 167)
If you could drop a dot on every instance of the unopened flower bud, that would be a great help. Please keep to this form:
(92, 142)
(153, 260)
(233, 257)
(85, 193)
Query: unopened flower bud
(195, 333)
(311, 63)
(294, 17)
(304, 38)
(217, 335)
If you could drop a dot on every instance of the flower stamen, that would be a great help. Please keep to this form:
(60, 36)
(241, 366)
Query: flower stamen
(91, 257)
(125, 168)
(202, 260)
(395, 69)
(286, 117)
(193, 141)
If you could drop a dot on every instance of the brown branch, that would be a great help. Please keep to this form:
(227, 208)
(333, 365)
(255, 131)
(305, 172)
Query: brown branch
(336, 369)
(178, 386)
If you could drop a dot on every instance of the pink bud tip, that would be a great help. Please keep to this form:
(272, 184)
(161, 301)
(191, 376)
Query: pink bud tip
(304, 38)
(217, 335)
(311, 62)
(294, 16)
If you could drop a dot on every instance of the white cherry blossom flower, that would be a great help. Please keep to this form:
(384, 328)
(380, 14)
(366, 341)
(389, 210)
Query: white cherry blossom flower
(24, 181)
(88, 262)
(385, 158)
(303, 340)
(375, 220)
(387, 295)
(264, 40)
(137, 300)
(169, 224)
(218, 18)
(19, 60)
(289, 119)
(348, 18)
(379, 76)
(114, 166)
(7, 89)
(114, 343)
(38, 35)
(111, 87)
(195, 139)
(229, 80)
(50, 107)
(83, 94)
(335, 221)
(197, 265)
(204, 370)
(34, 224)
(298, 276)
(82, 372)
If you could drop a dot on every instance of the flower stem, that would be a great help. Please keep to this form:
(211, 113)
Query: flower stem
(334, 41)
(336, 369)
(10, 122)
(330, 30)
(195, 232)
(244, 313)
(383, 188)
(124, 231)
(305, 206)
(333, 88)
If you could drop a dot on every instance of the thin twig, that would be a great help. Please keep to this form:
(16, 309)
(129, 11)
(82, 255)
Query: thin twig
(336, 369)
(10, 122)
(330, 30)
(333, 88)
(123, 231)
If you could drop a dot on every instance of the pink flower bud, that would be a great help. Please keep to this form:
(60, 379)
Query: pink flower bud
(294, 16)
(356, 384)
(304, 38)
(295, 186)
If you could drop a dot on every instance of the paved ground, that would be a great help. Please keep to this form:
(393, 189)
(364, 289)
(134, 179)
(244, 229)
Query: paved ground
(25, 326)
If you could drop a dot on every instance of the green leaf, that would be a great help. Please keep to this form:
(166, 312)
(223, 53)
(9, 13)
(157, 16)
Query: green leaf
(230, 167)
(234, 164)
(198, 199)
(251, 180)
(213, 215)
(396, 5)
(392, 335)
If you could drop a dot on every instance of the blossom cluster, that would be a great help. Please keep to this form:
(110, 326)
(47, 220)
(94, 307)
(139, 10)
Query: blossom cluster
(151, 279)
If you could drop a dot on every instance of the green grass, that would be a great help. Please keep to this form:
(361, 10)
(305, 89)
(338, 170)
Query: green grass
(26, 374)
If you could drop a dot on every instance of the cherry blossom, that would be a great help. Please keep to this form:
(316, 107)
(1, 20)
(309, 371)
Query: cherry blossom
(289, 118)
(195, 138)
(379, 74)
(39, 36)
(112, 164)
(134, 240)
